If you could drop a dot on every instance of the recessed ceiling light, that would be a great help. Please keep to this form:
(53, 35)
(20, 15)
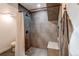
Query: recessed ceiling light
(38, 5)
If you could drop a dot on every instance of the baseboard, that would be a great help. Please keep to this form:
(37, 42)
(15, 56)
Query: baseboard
(5, 49)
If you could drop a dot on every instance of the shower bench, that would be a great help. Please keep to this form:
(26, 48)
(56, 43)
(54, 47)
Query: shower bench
(53, 49)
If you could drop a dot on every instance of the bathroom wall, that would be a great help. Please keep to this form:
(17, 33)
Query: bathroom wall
(42, 30)
(7, 26)
(27, 20)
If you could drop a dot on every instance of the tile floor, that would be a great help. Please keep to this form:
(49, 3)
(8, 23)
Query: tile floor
(31, 52)
(36, 52)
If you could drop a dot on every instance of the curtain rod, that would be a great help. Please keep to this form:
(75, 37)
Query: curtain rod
(46, 7)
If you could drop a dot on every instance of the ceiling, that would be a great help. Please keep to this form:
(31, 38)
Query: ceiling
(31, 6)
(52, 9)
(35, 6)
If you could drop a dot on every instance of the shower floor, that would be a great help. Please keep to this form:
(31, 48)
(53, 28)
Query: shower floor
(36, 52)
